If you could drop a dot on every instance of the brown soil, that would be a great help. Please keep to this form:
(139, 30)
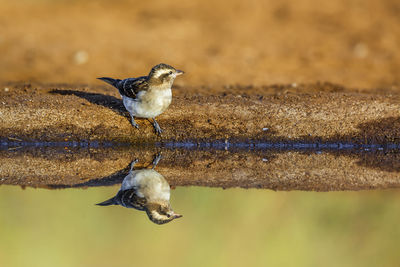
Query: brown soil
(354, 43)
(75, 113)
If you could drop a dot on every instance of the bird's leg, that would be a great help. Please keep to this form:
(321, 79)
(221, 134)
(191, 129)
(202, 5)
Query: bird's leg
(134, 124)
(157, 127)
(156, 160)
(133, 164)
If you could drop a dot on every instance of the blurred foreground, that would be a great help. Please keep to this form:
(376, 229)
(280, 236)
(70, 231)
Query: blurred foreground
(233, 227)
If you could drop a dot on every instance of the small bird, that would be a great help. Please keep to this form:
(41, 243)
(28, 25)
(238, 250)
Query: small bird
(147, 96)
(145, 190)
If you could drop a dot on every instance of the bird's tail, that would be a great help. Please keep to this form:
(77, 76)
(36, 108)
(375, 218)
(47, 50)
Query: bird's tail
(111, 81)
(111, 201)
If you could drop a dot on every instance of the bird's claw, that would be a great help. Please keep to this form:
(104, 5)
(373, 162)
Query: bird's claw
(157, 127)
(133, 122)
(158, 131)
(156, 160)
(133, 164)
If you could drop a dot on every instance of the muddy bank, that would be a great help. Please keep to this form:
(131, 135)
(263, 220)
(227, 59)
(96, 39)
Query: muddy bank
(316, 170)
(60, 136)
(76, 113)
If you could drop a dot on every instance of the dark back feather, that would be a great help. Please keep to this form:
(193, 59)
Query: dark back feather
(128, 87)
(129, 199)
(132, 86)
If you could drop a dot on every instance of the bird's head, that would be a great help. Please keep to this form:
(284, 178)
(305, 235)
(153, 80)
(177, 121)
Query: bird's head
(161, 213)
(163, 74)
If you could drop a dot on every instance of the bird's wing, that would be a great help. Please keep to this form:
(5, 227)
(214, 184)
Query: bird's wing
(132, 86)
(129, 199)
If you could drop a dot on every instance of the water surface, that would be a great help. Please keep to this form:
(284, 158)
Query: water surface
(219, 227)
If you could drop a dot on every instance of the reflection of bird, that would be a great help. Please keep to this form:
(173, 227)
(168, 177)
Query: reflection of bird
(147, 96)
(146, 190)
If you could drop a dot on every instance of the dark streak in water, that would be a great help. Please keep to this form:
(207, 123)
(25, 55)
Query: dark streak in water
(292, 165)
(208, 145)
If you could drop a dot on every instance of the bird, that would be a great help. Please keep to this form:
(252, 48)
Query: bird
(145, 190)
(147, 96)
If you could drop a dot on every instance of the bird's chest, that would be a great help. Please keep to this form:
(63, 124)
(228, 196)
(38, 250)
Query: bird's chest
(153, 104)
(151, 185)
(161, 99)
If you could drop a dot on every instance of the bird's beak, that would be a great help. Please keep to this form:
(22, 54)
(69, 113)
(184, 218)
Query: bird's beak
(179, 72)
(177, 215)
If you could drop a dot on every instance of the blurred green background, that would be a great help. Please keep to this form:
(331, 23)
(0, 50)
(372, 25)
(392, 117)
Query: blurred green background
(235, 227)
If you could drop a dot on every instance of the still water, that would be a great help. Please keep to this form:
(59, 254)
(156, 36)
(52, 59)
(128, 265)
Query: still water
(230, 215)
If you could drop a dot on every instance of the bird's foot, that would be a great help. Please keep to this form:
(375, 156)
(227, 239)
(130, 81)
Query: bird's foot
(134, 124)
(133, 164)
(157, 127)
(156, 160)
(158, 131)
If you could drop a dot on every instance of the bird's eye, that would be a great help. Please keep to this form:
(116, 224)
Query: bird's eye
(170, 72)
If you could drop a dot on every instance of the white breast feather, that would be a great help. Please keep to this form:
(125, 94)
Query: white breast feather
(149, 104)
(149, 184)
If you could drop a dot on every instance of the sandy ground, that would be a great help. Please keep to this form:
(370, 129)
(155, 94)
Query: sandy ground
(76, 113)
(354, 43)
